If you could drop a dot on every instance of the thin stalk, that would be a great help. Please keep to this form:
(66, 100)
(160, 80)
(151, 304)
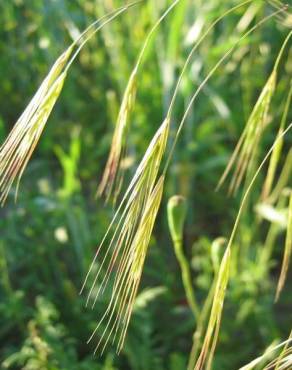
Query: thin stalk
(195, 47)
(112, 176)
(281, 51)
(186, 278)
(151, 32)
(210, 74)
(112, 15)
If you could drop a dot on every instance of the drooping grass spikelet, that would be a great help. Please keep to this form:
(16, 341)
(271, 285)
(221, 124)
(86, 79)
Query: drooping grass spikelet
(126, 247)
(287, 350)
(112, 176)
(285, 363)
(128, 275)
(24, 136)
(276, 364)
(287, 251)
(274, 160)
(211, 336)
(246, 149)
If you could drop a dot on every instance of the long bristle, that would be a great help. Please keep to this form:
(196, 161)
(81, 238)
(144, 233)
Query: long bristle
(23, 138)
(244, 156)
(275, 157)
(246, 149)
(212, 331)
(128, 276)
(126, 249)
(109, 183)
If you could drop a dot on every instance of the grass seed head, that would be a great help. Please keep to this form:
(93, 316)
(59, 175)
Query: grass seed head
(130, 232)
(211, 336)
(276, 154)
(245, 152)
(128, 272)
(24, 136)
(112, 176)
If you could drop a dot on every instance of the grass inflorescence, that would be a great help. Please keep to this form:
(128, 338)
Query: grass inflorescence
(24, 136)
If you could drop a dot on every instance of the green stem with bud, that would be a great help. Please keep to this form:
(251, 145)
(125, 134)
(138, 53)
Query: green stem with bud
(176, 217)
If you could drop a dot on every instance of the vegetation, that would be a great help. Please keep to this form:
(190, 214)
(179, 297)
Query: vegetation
(155, 163)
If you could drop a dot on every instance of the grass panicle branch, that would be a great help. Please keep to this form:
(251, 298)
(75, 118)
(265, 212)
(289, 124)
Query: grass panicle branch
(285, 357)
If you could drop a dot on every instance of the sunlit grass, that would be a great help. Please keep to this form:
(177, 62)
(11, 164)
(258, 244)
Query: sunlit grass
(22, 140)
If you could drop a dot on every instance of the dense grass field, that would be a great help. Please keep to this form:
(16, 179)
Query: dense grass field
(171, 126)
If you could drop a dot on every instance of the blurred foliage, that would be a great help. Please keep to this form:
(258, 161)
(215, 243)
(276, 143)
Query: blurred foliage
(49, 236)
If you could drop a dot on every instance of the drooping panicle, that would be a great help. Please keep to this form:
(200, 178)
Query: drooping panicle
(245, 152)
(212, 331)
(126, 243)
(24, 136)
(111, 178)
(128, 274)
